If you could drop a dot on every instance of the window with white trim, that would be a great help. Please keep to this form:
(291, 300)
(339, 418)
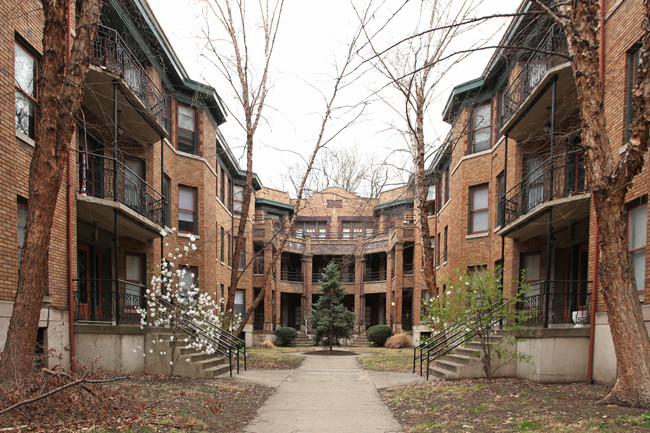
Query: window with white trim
(636, 235)
(478, 209)
(186, 129)
(25, 78)
(481, 128)
(187, 209)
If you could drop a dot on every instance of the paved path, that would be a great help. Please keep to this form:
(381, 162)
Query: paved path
(326, 394)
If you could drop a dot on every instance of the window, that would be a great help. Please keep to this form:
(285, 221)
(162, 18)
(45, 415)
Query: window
(186, 130)
(186, 209)
(237, 198)
(223, 238)
(531, 271)
(356, 230)
(240, 302)
(431, 192)
(438, 251)
(222, 298)
(315, 229)
(481, 128)
(135, 278)
(167, 195)
(636, 235)
(242, 256)
(229, 250)
(633, 59)
(501, 204)
(229, 192)
(477, 276)
(25, 78)
(478, 221)
(433, 248)
(22, 223)
(222, 187)
(446, 177)
(445, 247)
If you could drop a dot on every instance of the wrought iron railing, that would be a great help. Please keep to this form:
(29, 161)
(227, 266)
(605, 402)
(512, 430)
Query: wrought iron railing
(374, 276)
(556, 177)
(110, 179)
(111, 52)
(258, 266)
(346, 277)
(293, 276)
(408, 268)
(551, 51)
(555, 302)
(94, 301)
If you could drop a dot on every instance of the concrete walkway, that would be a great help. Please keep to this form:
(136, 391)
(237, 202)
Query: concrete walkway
(326, 394)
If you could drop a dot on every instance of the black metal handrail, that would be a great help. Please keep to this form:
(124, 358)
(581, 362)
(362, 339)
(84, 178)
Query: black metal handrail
(551, 51)
(293, 276)
(455, 335)
(104, 177)
(94, 300)
(555, 302)
(111, 52)
(557, 177)
(374, 276)
(225, 343)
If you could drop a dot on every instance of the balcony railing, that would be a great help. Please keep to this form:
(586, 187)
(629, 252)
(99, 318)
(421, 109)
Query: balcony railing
(346, 277)
(94, 301)
(409, 268)
(557, 177)
(110, 179)
(556, 302)
(551, 51)
(293, 276)
(374, 276)
(110, 51)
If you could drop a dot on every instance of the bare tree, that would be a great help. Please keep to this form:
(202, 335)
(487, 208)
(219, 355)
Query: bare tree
(415, 68)
(250, 86)
(62, 74)
(348, 115)
(346, 168)
(609, 178)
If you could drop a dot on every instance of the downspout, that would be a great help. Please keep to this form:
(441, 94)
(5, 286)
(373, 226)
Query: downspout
(69, 222)
(592, 330)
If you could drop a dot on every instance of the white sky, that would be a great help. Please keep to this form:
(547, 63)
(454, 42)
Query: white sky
(313, 34)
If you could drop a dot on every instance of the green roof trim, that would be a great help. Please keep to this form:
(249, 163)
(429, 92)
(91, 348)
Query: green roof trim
(275, 205)
(454, 98)
(393, 203)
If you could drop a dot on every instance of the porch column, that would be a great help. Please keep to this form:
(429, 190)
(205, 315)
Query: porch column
(116, 241)
(389, 294)
(277, 295)
(547, 285)
(398, 283)
(359, 298)
(268, 287)
(307, 266)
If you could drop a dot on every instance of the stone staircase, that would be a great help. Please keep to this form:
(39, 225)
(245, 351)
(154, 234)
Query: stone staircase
(303, 340)
(466, 362)
(359, 341)
(190, 362)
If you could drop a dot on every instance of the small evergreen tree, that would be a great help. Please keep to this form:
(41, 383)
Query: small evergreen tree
(329, 318)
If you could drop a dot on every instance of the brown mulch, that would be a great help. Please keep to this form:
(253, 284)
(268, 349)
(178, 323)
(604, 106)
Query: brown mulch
(333, 352)
(507, 405)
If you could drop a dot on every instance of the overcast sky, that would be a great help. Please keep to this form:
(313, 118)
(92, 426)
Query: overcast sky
(313, 36)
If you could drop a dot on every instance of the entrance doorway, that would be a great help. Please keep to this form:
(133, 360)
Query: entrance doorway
(291, 311)
(94, 293)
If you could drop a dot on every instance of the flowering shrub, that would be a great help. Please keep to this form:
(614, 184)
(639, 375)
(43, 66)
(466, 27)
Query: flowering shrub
(473, 303)
(174, 300)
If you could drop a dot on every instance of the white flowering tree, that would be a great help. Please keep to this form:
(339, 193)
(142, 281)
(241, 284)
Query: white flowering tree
(471, 308)
(174, 301)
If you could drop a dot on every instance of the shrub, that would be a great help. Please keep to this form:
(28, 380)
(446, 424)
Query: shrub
(378, 334)
(398, 341)
(285, 336)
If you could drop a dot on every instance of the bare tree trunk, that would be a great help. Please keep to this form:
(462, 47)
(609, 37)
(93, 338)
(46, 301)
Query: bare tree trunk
(608, 181)
(60, 86)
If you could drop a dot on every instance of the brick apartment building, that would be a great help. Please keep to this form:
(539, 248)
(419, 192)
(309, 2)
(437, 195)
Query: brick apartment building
(507, 189)
(512, 194)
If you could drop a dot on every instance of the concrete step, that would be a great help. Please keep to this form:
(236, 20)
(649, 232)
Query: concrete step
(460, 359)
(447, 365)
(437, 373)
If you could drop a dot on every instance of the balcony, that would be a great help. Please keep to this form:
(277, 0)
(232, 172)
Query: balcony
(557, 182)
(373, 276)
(551, 51)
(106, 182)
(94, 301)
(112, 61)
(556, 302)
(291, 276)
(346, 277)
